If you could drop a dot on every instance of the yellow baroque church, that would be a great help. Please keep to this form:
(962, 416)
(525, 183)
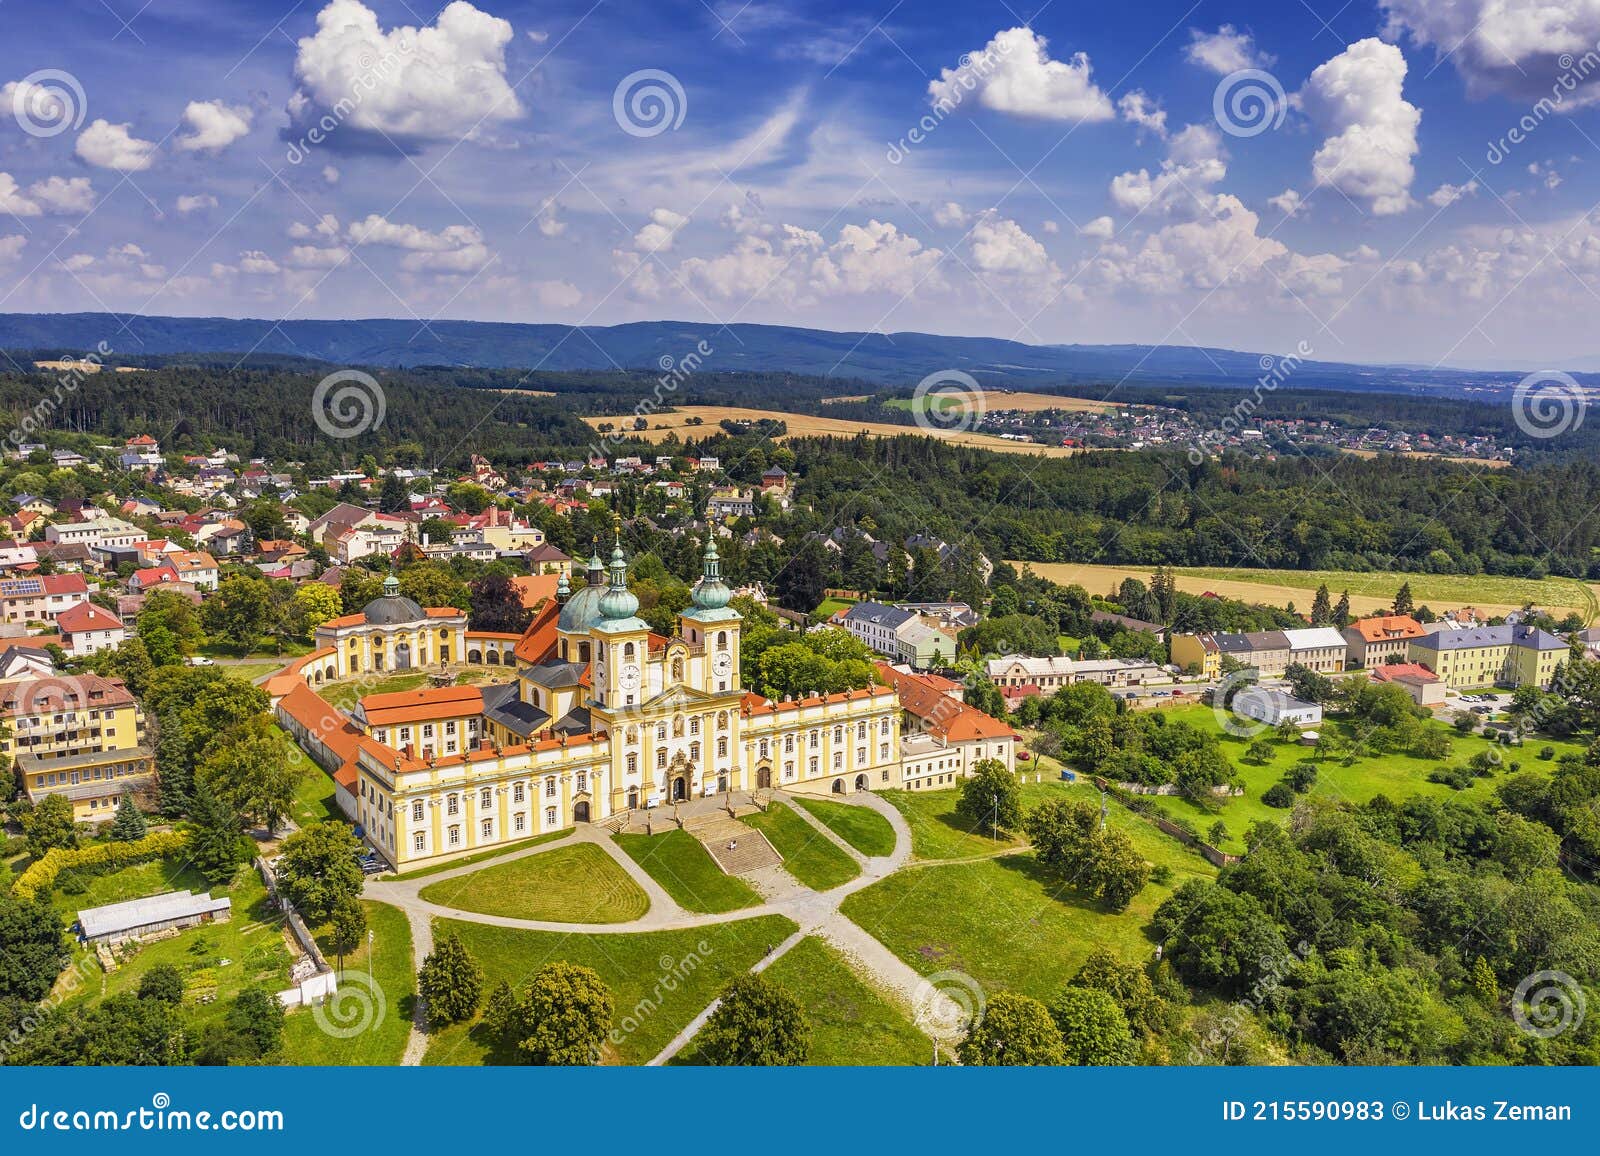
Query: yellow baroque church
(604, 716)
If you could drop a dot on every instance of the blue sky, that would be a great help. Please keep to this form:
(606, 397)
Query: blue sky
(1049, 174)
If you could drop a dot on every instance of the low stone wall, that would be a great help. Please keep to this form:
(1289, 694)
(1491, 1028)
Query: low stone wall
(311, 984)
(1166, 826)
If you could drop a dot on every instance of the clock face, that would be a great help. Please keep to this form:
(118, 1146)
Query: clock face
(629, 677)
(722, 664)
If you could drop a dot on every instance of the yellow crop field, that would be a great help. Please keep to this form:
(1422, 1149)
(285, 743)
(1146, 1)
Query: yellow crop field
(806, 425)
(1370, 593)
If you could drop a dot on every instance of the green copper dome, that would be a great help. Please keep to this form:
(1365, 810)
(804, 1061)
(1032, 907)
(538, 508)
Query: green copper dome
(711, 592)
(618, 602)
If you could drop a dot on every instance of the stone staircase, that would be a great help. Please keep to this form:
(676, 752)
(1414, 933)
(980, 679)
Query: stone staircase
(751, 851)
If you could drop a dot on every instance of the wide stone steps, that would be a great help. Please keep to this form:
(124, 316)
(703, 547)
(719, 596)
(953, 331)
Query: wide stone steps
(737, 849)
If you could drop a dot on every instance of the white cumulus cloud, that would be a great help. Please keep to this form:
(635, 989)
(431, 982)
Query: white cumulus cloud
(1356, 99)
(1448, 194)
(213, 126)
(195, 202)
(1015, 74)
(113, 146)
(1225, 50)
(1137, 108)
(64, 195)
(658, 235)
(442, 82)
(1514, 47)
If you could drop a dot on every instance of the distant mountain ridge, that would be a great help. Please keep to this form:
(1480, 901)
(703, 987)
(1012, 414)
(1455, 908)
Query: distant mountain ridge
(883, 358)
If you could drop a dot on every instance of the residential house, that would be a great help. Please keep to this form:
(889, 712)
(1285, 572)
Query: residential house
(942, 738)
(1373, 641)
(40, 597)
(1418, 681)
(142, 452)
(731, 503)
(82, 737)
(1197, 654)
(86, 628)
(1265, 650)
(1124, 622)
(1272, 706)
(1490, 655)
(196, 567)
(1317, 648)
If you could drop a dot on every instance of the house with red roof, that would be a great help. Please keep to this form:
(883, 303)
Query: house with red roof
(942, 739)
(86, 628)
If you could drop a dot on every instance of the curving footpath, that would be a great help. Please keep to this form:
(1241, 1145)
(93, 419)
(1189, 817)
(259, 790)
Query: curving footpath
(816, 913)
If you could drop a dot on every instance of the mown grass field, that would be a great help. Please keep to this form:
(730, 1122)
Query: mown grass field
(676, 860)
(1369, 592)
(1008, 922)
(575, 884)
(659, 980)
(852, 1025)
(807, 854)
(861, 827)
(383, 1018)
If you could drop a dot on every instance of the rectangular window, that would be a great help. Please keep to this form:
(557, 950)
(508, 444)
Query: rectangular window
(520, 822)
(550, 816)
(419, 842)
(417, 811)
(549, 788)
(487, 827)
(455, 836)
(516, 793)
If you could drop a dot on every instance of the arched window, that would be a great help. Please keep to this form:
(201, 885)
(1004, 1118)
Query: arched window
(722, 640)
(583, 652)
(627, 650)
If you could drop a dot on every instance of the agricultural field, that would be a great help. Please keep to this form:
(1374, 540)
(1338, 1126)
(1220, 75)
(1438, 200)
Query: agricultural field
(996, 401)
(1370, 593)
(579, 883)
(800, 425)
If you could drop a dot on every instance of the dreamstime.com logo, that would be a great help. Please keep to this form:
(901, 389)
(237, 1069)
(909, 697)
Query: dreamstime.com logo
(348, 403)
(1249, 102)
(159, 1116)
(674, 973)
(1548, 1003)
(948, 401)
(1548, 404)
(48, 103)
(357, 1007)
(946, 1003)
(649, 102)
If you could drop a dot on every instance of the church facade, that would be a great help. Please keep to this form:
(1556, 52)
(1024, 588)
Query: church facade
(604, 716)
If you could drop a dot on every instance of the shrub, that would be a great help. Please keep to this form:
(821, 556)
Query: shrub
(1161, 874)
(1278, 795)
(94, 859)
(1547, 753)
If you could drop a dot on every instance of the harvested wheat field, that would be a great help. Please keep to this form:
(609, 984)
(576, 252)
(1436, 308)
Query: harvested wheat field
(1370, 593)
(806, 425)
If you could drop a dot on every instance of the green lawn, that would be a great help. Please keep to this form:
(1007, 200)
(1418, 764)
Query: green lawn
(861, 827)
(218, 960)
(851, 1024)
(808, 855)
(345, 695)
(659, 980)
(136, 882)
(685, 869)
(481, 856)
(831, 606)
(1008, 922)
(381, 1026)
(313, 798)
(250, 671)
(1397, 775)
(937, 832)
(576, 884)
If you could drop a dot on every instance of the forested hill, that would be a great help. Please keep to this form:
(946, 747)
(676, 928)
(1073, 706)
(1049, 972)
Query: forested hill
(884, 358)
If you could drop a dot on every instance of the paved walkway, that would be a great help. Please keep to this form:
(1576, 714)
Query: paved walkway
(816, 913)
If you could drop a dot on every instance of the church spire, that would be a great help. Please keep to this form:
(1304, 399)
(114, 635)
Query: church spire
(711, 592)
(618, 603)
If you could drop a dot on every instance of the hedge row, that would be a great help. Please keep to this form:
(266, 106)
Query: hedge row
(41, 875)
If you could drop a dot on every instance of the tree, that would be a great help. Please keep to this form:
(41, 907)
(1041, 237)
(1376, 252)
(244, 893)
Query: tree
(1217, 938)
(215, 844)
(394, 497)
(1403, 602)
(252, 768)
(169, 626)
(347, 926)
(1341, 611)
(756, 1024)
(129, 824)
(319, 868)
(239, 612)
(1128, 984)
(162, 982)
(1013, 1031)
(450, 982)
(992, 798)
(1094, 1030)
(1321, 611)
(49, 825)
(1068, 838)
(497, 605)
(563, 1018)
(33, 948)
(1259, 752)
(317, 603)
(256, 1018)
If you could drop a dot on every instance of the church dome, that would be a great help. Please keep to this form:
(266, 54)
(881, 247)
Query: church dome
(394, 608)
(582, 610)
